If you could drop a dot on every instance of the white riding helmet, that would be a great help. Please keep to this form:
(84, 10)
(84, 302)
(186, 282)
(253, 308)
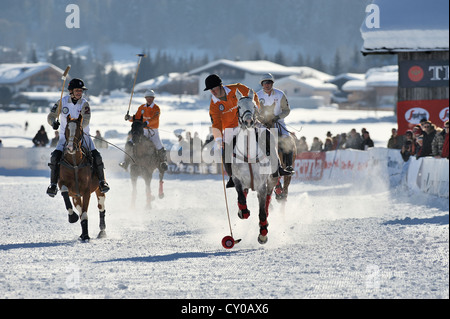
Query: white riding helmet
(149, 93)
(267, 77)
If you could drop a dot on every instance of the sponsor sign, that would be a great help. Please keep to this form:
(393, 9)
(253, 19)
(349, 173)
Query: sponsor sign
(409, 113)
(426, 73)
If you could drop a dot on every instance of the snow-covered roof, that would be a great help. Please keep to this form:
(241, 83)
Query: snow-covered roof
(253, 67)
(312, 83)
(406, 25)
(354, 85)
(161, 80)
(348, 76)
(307, 72)
(386, 76)
(11, 73)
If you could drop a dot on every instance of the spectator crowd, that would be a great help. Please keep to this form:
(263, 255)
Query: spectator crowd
(425, 139)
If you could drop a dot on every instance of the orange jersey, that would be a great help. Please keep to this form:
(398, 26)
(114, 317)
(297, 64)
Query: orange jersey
(224, 114)
(150, 113)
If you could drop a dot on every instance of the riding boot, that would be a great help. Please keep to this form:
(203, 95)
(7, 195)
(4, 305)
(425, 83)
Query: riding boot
(282, 172)
(226, 158)
(230, 183)
(288, 161)
(52, 190)
(98, 168)
(162, 159)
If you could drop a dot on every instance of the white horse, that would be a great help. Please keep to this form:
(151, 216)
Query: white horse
(252, 162)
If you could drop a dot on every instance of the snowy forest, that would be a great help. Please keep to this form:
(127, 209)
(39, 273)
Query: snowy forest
(321, 34)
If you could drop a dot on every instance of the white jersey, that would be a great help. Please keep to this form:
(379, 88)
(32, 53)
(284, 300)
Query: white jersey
(273, 105)
(74, 110)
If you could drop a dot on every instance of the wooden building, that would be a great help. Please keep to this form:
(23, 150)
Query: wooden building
(417, 31)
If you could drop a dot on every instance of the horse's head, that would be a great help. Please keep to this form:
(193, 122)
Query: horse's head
(73, 134)
(246, 109)
(137, 130)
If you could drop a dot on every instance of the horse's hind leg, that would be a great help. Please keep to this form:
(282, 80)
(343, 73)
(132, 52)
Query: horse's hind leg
(73, 217)
(101, 207)
(243, 212)
(161, 185)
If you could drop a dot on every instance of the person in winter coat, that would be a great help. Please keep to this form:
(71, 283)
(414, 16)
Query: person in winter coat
(316, 145)
(149, 113)
(224, 118)
(41, 138)
(437, 145)
(408, 147)
(74, 105)
(273, 109)
(302, 145)
(419, 146)
(395, 141)
(367, 141)
(353, 140)
(428, 135)
(445, 147)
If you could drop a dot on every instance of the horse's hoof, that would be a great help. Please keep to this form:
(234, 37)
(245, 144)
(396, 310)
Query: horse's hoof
(262, 239)
(84, 238)
(73, 218)
(101, 234)
(244, 214)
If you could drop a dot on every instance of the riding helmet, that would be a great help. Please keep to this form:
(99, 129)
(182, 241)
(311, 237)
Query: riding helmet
(76, 84)
(212, 81)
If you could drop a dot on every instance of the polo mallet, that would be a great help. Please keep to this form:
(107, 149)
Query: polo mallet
(141, 55)
(64, 76)
(228, 241)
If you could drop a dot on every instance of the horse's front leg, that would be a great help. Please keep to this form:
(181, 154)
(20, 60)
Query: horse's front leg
(84, 217)
(243, 212)
(264, 202)
(101, 208)
(161, 185)
(73, 217)
(148, 190)
(133, 191)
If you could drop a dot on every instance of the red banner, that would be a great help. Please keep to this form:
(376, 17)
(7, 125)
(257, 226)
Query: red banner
(309, 165)
(409, 113)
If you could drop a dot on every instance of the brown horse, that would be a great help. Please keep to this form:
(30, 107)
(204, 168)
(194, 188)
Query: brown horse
(77, 179)
(286, 147)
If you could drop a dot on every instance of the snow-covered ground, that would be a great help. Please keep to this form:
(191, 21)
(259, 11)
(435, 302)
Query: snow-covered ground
(330, 240)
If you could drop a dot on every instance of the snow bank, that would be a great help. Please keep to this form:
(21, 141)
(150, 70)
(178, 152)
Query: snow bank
(376, 167)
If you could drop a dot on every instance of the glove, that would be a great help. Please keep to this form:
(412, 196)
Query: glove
(127, 117)
(55, 125)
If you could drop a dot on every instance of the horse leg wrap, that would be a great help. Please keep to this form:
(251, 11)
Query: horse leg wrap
(263, 228)
(244, 213)
(102, 220)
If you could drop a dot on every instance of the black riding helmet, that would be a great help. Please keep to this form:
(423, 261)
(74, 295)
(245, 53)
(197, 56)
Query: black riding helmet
(76, 84)
(212, 81)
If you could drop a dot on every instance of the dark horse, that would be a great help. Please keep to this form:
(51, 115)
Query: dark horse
(145, 161)
(77, 179)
